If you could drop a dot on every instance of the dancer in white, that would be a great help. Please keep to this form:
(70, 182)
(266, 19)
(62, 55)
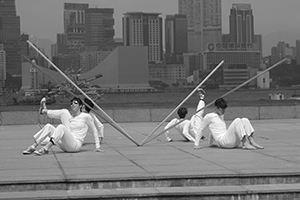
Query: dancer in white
(69, 135)
(98, 124)
(197, 119)
(183, 128)
(188, 128)
(240, 130)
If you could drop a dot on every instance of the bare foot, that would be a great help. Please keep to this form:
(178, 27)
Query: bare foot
(248, 146)
(253, 143)
(256, 145)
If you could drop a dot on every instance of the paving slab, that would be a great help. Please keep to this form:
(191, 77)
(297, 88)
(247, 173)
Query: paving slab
(122, 159)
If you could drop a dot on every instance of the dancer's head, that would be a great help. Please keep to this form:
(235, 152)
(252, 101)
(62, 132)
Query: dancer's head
(76, 104)
(182, 112)
(220, 106)
(89, 103)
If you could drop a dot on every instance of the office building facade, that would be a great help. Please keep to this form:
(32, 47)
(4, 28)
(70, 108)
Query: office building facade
(2, 68)
(144, 29)
(204, 19)
(175, 38)
(10, 36)
(74, 26)
(99, 30)
(241, 24)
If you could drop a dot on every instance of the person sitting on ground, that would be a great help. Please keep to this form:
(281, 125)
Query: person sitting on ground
(197, 118)
(69, 135)
(183, 128)
(98, 124)
(239, 131)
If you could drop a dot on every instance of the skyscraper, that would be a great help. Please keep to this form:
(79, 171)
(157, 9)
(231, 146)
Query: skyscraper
(241, 24)
(99, 28)
(204, 19)
(74, 26)
(10, 36)
(144, 29)
(175, 38)
(2, 68)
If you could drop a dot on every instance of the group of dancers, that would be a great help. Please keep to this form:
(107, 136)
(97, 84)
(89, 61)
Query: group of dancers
(79, 121)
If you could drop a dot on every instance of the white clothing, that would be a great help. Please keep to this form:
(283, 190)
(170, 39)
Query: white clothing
(226, 138)
(69, 135)
(184, 128)
(196, 119)
(98, 124)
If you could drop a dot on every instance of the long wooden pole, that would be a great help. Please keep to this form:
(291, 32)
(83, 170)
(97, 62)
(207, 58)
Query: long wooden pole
(211, 103)
(109, 119)
(198, 86)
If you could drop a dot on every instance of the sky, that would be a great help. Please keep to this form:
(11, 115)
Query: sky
(44, 18)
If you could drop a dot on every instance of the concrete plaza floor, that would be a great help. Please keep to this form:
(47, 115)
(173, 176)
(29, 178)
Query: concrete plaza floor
(123, 159)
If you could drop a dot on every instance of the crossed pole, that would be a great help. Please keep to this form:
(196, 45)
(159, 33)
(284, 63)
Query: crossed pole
(198, 86)
(224, 95)
(106, 116)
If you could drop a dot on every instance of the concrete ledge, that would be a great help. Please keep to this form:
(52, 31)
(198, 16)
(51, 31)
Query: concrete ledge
(158, 114)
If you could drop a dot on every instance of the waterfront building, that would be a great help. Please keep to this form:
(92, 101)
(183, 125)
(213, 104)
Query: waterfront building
(175, 38)
(62, 43)
(144, 29)
(99, 30)
(204, 20)
(24, 46)
(90, 59)
(298, 51)
(169, 73)
(74, 26)
(124, 68)
(10, 36)
(2, 68)
(241, 24)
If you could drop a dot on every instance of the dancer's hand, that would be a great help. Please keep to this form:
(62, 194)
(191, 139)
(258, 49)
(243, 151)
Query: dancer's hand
(197, 147)
(99, 150)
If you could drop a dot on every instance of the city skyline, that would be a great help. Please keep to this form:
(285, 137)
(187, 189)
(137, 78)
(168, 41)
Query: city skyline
(37, 15)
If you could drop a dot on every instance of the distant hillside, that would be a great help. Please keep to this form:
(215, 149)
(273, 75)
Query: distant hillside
(45, 44)
(272, 39)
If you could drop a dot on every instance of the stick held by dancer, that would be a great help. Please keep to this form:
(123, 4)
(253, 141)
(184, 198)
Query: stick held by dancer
(69, 135)
(239, 131)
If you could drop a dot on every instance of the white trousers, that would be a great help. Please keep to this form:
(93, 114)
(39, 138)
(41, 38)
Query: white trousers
(61, 135)
(235, 133)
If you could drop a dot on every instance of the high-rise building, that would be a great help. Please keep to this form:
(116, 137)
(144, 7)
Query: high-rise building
(10, 36)
(99, 28)
(298, 51)
(2, 67)
(144, 29)
(175, 38)
(204, 19)
(74, 26)
(241, 24)
(24, 46)
(62, 43)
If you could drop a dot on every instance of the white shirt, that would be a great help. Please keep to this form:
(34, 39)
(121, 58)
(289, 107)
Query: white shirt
(216, 125)
(183, 128)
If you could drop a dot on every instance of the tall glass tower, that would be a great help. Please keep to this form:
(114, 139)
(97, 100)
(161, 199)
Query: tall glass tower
(241, 24)
(10, 37)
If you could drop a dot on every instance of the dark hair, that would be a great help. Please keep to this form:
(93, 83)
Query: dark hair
(89, 103)
(182, 112)
(221, 103)
(78, 100)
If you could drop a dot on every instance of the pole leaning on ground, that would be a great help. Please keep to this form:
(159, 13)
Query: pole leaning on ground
(109, 119)
(198, 86)
(211, 103)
